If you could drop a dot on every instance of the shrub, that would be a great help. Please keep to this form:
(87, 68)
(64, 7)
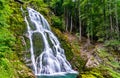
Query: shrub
(57, 22)
(113, 45)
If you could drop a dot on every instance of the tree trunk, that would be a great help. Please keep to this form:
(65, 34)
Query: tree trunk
(71, 25)
(111, 27)
(66, 20)
(116, 19)
(105, 22)
(111, 22)
(80, 27)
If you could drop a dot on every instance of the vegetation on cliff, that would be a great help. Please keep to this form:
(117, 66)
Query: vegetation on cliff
(11, 28)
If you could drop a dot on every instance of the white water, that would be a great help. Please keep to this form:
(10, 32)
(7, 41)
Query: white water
(52, 59)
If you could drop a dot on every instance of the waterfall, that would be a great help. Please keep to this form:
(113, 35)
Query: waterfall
(50, 58)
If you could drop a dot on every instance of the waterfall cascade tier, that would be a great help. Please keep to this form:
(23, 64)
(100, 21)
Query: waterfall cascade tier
(51, 58)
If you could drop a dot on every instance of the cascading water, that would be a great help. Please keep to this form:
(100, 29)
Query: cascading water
(49, 60)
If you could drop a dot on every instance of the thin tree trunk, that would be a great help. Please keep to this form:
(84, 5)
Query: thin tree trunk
(105, 23)
(111, 27)
(66, 19)
(71, 25)
(91, 29)
(88, 34)
(111, 22)
(80, 27)
(116, 18)
(107, 20)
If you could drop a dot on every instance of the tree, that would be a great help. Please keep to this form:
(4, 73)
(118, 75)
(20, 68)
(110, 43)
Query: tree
(98, 20)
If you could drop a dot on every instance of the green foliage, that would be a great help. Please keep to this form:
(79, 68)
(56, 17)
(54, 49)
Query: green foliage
(78, 63)
(92, 73)
(99, 19)
(6, 69)
(113, 73)
(4, 13)
(11, 26)
(102, 53)
(7, 41)
(110, 73)
(109, 67)
(39, 5)
(57, 22)
(6, 38)
(56, 6)
(113, 44)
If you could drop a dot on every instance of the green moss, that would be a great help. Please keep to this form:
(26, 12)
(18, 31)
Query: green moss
(88, 76)
(102, 53)
(110, 73)
(92, 73)
(64, 44)
(109, 66)
(11, 44)
(6, 69)
(38, 44)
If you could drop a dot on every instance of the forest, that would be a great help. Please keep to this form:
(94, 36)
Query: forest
(88, 30)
